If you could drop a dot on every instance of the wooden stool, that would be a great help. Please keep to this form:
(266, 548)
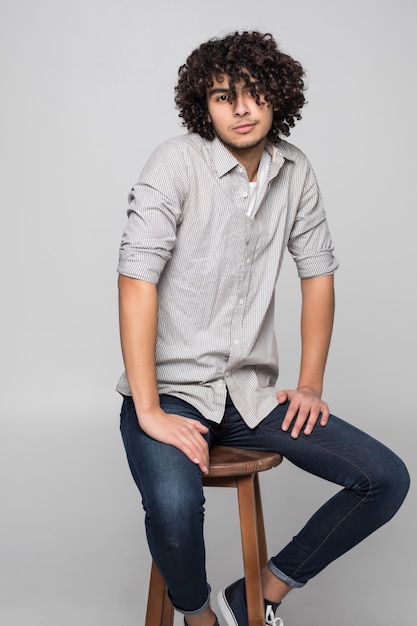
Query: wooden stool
(230, 467)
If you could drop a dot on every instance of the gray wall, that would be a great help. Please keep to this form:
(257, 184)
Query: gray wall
(86, 93)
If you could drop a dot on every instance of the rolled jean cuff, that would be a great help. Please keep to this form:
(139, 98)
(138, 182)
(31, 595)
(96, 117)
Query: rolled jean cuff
(197, 611)
(286, 579)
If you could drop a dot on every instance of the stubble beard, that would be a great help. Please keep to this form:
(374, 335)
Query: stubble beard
(246, 146)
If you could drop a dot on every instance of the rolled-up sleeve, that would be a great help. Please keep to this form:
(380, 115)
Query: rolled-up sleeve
(154, 213)
(310, 242)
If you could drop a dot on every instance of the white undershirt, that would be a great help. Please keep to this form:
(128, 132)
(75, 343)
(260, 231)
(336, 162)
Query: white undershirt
(258, 184)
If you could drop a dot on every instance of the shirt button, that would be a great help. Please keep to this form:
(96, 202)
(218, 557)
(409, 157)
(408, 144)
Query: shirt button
(227, 374)
(244, 194)
(248, 260)
(241, 301)
(236, 341)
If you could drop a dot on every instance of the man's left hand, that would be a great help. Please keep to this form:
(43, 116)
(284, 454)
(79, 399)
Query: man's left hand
(306, 407)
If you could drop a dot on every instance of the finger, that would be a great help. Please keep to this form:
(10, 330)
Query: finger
(200, 450)
(299, 423)
(203, 462)
(200, 427)
(204, 455)
(282, 396)
(196, 454)
(325, 415)
(308, 416)
(289, 416)
(312, 421)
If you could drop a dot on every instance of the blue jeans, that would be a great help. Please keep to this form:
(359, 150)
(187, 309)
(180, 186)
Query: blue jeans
(374, 480)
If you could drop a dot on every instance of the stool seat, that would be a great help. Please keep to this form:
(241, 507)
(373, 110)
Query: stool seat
(226, 461)
(239, 468)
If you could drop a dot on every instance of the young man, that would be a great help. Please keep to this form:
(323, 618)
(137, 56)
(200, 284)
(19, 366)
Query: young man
(209, 221)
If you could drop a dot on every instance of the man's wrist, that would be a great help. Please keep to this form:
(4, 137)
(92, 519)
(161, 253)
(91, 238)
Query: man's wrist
(316, 390)
(148, 407)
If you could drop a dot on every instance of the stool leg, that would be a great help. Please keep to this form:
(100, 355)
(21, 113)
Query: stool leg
(250, 548)
(263, 554)
(160, 611)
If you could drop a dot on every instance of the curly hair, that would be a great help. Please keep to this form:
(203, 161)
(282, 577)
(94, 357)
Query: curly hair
(242, 56)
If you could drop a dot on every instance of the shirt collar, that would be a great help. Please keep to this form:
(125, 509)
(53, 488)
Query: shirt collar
(279, 151)
(224, 161)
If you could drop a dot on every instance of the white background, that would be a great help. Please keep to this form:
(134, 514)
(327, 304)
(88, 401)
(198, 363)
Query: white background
(86, 94)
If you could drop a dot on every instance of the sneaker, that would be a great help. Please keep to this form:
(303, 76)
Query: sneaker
(232, 603)
(271, 618)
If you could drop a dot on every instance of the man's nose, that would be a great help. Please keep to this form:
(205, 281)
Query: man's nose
(240, 106)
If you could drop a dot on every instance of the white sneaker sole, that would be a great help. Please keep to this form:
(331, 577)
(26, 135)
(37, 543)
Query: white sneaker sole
(226, 610)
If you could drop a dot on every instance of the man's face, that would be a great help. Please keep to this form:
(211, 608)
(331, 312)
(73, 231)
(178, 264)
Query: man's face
(238, 120)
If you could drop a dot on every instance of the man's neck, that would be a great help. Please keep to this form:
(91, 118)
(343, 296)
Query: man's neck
(250, 159)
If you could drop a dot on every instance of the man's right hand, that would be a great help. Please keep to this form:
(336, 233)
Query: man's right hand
(182, 432)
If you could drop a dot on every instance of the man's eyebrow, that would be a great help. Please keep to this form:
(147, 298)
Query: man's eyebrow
(217, 90)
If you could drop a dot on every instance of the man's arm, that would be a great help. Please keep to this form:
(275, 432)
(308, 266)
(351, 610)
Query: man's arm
(316, 328)
(138, 314)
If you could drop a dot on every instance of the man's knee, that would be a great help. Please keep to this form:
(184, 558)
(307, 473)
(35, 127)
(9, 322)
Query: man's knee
(393, 483)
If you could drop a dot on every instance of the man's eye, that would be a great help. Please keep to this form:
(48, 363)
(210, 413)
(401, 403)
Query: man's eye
(223, 98)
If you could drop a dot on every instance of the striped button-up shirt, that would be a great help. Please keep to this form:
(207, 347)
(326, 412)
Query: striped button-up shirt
(216, 268)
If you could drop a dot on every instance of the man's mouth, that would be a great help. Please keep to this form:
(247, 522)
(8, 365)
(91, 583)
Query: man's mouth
(244, 127)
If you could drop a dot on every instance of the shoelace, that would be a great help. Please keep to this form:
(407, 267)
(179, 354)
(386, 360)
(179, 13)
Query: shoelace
(271, 619)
